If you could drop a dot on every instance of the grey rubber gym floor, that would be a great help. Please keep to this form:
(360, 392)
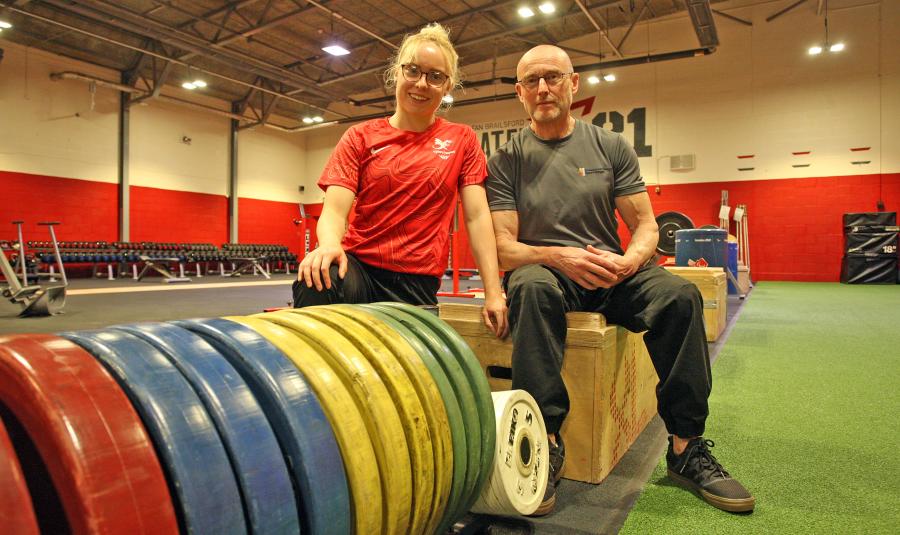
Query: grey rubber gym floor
(581, 508)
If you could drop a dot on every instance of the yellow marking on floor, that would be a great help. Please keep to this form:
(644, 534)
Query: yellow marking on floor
(176, 286)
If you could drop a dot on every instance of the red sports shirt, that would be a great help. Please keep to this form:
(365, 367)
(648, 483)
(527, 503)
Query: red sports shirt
(406, 186)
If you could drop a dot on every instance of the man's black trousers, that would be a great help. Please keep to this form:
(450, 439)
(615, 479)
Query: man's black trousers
(668, 307)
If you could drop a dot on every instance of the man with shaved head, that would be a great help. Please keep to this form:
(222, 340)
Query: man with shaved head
(553, 191)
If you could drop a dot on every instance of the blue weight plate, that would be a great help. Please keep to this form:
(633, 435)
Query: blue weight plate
(185, 438)
(269, 503)
(296, 415)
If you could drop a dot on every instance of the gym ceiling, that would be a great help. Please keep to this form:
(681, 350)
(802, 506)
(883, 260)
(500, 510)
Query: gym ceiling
(265, 57)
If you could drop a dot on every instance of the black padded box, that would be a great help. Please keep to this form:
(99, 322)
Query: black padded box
(871, 243)
(869, 269)
(870, 222)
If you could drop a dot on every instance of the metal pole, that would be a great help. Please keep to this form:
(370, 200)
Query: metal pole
(124, 177)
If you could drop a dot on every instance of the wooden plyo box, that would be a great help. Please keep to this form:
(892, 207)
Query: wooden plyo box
(713, 286)
(608, 374)
(743, 279)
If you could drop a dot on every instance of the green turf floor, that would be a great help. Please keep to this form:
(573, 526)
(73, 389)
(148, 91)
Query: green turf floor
(805, 411)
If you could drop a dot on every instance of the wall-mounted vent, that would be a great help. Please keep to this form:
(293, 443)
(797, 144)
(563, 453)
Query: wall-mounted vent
(682, 162)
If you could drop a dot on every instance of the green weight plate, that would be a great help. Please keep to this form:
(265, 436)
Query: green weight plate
(406, 401)
(409, 350)
(466, 462)
(346, 421)
(374, 404)
(480, 389)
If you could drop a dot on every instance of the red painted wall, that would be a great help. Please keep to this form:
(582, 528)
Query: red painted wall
(269, 222)
(178, 216)
(794, 224)
(87, 210)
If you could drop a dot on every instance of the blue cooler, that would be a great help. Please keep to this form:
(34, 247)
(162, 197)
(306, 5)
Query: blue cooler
(702, 247)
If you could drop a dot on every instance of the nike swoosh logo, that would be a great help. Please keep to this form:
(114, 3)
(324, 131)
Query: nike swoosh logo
(379, 149)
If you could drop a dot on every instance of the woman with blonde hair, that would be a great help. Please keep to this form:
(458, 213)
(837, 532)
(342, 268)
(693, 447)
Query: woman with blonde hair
(400, 176)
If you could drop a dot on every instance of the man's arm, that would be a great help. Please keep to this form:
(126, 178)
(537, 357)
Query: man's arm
(590, 268)
(637, 213)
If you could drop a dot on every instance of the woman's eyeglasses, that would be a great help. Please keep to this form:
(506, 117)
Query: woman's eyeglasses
(413, 73)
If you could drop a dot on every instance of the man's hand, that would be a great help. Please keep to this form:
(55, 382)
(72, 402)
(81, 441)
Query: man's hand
(315, 266)
(494, 314)
(591, 268)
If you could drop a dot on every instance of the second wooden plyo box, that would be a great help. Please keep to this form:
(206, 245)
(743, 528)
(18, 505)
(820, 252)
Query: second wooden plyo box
(713, 286)
(608, 374)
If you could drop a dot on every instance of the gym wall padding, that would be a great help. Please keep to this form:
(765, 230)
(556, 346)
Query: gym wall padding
(795, 224)
(178, 216)
(87, 208)
(269, 222)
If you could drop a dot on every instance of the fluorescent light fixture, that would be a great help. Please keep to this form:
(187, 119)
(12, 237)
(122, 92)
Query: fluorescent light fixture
(609, 77)
(526, 12)
(814, 50)
(336, 50)
(307, 120)
(837, 47)
(5, 25)
(593, 79)
(189, 85)
(317, 119)
(448, 99)
(547, 8)
(199, 83)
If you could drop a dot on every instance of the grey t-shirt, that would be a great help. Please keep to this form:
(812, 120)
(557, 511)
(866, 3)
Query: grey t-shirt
(564, 190)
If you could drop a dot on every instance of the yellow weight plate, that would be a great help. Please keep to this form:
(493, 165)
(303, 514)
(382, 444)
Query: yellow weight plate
(374, 404)
(346, 421)
(429, 395)
(406, 401)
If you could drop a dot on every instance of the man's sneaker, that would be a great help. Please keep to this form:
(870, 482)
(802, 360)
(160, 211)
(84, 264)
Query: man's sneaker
(557, 462)
(697, 470)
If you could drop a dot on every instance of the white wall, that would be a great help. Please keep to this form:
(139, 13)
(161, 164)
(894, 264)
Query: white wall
(161, 159)
(271, 165)
(41, 133)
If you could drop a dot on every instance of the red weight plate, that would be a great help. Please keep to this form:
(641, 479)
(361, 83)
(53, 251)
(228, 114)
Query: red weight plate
(96, 450)
(15, 502)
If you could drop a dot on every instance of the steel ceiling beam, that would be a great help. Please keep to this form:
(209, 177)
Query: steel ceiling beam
(151, 53)
(477, 40)
(603, 31)
(132, 22)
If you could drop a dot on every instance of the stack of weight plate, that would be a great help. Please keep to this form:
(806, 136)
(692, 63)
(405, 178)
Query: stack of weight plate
(342, 419)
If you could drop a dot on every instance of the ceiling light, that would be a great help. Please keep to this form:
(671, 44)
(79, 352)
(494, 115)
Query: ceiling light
(307, 120)
(448, 99)
(609, 77)
(837, 47)
(189, 85)
(199, 83)
(813, 50)
(336, 50)
(5, 25)
(593, 79)
(317, 119)
(526, 12)
(547, 8)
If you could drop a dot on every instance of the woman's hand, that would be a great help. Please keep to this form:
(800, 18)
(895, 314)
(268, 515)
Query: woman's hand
(314, 269)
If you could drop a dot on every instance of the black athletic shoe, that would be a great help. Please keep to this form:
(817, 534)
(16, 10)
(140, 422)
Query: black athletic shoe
(557, 462)
(697, 470)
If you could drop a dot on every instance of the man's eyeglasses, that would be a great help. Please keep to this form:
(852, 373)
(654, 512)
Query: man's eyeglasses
(552, 79)
(413, 73)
